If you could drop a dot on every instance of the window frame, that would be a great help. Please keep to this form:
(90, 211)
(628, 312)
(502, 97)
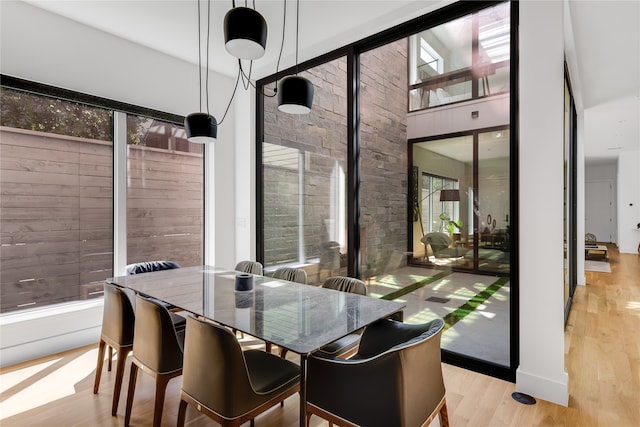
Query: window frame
(120, 111)
(353, 51)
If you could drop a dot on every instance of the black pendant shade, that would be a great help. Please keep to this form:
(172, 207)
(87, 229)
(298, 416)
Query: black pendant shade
(245, 33)
(201, 128)
(295, 95)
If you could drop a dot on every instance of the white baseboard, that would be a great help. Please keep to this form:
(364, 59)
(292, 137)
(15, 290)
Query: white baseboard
(544, 388)
(32, 334)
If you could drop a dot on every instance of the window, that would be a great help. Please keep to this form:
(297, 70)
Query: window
(304, 180)
(56, 203)
(463, 59)
(164, 193)
(359, 126)
(57, 200)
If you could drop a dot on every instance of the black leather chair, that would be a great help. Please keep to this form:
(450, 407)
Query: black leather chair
(149, 266)
(117, 333)
(227, 384)
(395, 379)
(253, 267)
(157, 350)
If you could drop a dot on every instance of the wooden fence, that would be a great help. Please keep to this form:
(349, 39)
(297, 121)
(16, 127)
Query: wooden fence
(56, 214)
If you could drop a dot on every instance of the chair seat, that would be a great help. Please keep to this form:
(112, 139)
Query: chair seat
(341, 346)
(268, 371)
(179, 322)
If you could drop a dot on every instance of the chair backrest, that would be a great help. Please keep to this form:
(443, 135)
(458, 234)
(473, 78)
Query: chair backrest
(291, 274)
(414, 350)
(253, 267)
(156, 344)
(149, 266)
(346, 284)
(118, 317)
(215, 372)
(401, 359)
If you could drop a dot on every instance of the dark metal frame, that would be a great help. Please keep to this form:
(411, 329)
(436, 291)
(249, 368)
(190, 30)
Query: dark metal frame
(352, 53)
(572, 198)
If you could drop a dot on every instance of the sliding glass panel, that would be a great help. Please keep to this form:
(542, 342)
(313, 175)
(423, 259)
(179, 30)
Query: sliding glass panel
(56, 205)
(164, 194)
(383, 160)
(304, 159)
(461, 243)
(443, 229)
(494, 240)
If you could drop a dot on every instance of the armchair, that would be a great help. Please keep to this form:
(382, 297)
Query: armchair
(399, 359)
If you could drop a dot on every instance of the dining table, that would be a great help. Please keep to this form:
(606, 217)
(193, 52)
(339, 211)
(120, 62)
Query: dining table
(297, 317)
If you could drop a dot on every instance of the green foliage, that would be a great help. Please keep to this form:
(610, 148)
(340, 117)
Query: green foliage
(44, 114)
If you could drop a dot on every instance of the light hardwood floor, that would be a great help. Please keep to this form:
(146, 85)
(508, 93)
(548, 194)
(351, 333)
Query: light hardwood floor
(602, 359)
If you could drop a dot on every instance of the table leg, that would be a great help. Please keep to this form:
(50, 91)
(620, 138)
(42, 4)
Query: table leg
(303, 390)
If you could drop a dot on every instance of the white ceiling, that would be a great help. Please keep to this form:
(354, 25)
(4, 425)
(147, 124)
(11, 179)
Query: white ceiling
(606, 45)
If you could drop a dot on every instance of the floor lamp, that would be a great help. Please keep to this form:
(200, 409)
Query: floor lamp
(446, 195)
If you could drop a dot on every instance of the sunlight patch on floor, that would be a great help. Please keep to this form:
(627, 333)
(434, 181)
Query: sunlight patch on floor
(37, 390)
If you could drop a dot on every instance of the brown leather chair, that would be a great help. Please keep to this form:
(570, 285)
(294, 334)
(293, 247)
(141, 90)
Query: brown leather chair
(157, 350)
(227, 384)
(117, 333)
(253, 267)
(291, 274)
(347, 345)
(395, 379)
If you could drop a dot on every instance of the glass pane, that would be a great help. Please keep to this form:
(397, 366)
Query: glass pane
(493, 201)
(446, 238)
(440, 64)
(165, 176)
(383, 160)
(440, 50)
(304, 178)
(56, 205)
(494, 44)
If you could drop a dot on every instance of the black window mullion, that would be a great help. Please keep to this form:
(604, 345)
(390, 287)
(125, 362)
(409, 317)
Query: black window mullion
(353, 165)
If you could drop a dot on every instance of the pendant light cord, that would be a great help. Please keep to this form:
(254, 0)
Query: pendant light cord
(297, 23)
(199, 62)
(207, 70)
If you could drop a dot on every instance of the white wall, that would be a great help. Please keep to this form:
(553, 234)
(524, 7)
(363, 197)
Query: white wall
(628, 203)
(457, 117)
(541, 371)
(46, 48)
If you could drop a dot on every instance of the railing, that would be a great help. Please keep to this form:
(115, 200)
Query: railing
(459, 85)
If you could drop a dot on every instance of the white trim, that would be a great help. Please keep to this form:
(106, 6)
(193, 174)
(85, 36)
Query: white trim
(30, 334)
(555, 391)
(119, 193)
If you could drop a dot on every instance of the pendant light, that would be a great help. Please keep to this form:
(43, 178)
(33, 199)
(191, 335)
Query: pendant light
(245, 32)
(295, 93)
(202, 127)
